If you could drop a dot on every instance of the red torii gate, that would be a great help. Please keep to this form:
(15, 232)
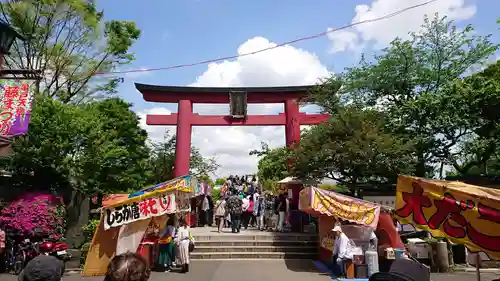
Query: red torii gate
(184, 119)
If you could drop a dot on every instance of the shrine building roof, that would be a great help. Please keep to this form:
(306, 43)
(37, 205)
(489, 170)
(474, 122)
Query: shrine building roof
(173, 94)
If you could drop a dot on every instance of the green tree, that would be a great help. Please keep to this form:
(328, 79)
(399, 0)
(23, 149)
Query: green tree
(405, 82)
(220, 181)
(79, 151)
(206, 178)
(97, 148)
(272, 164)
(352, 148)
(476, 100)
(69, 41)
(162, 161)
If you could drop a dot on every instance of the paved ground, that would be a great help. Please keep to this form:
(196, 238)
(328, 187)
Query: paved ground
(261, 270)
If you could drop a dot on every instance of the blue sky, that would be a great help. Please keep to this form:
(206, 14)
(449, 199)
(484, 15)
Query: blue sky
(185, 31)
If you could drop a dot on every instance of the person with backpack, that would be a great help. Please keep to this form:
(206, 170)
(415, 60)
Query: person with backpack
(220, 213)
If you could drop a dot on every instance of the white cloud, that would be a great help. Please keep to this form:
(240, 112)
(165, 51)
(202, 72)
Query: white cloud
(283, 66)
(155, 133)
(382, 32)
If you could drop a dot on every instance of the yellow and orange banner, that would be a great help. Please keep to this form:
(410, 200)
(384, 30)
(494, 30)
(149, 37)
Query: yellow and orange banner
(319, 201)
(463, 213)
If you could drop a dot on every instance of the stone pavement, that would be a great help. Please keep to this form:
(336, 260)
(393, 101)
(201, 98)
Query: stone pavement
(263, 270)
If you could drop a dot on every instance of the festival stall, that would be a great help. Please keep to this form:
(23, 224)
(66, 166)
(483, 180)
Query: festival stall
(463, 213)
(128, 219)
(292, 186)
(358, 217)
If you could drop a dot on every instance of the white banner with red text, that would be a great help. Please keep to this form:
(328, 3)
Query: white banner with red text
(144, 209)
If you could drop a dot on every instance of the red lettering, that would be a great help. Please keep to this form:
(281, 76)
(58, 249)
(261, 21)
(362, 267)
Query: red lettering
(488, 213)
(10, 93)
(8, 104)
(448, 209)
(165, 202)
(415, 202)
(491, 243)
(148, 207)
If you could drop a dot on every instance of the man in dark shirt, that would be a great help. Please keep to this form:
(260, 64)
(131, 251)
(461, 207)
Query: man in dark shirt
(234, 208)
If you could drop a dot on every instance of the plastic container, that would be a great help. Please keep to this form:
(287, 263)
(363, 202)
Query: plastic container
(361, 271)
(398, 253)
(371, 260)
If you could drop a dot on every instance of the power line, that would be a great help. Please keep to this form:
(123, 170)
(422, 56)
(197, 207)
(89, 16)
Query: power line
(273, 47)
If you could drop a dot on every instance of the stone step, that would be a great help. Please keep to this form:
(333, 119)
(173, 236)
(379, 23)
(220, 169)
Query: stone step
(255, 243)
(241, 249)
(195, 255)
(250, 237)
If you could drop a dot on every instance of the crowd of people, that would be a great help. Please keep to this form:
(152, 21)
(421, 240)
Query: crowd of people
(242, 205)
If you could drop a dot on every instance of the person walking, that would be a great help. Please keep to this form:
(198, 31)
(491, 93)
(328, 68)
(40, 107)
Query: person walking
(283, 209)
(205, 207)
(234, 208)
(258, 211)
(245, 217)
(220, 213)
(182, 241)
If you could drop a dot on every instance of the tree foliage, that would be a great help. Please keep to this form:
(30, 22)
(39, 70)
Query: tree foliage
(272, 163)
(351, 148)
(162, 161)
(220, 181)
(69, 41)
(405, 111)
(96, 148)
(477, 100)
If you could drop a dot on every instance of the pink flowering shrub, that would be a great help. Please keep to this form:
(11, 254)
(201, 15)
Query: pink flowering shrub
(35, 214)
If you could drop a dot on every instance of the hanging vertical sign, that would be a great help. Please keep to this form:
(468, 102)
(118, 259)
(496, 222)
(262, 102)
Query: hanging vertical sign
(16, 99)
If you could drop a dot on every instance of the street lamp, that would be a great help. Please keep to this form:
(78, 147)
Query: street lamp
(7, 37)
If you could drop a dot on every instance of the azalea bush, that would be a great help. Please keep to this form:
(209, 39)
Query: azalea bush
(35, 215)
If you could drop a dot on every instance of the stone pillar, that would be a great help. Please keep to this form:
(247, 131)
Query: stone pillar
(183, 138)
(292, 127)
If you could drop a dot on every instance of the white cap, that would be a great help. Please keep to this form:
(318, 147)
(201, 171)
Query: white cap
(337, 228)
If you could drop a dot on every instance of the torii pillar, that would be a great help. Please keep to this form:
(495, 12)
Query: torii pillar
(184, 119)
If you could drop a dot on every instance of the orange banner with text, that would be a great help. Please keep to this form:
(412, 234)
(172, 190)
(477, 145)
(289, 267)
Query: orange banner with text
(319, 201)
(463, 213)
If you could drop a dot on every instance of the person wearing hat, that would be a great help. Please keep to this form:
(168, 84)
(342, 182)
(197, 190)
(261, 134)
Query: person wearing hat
(42, 268)
(403, 270)
(342, 250)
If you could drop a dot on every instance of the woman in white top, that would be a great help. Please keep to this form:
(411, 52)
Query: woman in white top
(182, 240)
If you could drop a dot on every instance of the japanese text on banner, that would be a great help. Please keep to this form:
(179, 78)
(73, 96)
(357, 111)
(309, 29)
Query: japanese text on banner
(346, 208)
(458, 215)
(143, 209)
(15, 106)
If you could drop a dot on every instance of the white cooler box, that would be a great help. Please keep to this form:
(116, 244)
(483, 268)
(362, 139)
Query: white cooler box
(418, 248)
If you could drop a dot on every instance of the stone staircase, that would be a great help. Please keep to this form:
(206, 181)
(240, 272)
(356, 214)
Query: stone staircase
(253, 244)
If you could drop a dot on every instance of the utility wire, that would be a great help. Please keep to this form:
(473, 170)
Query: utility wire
(393, 14)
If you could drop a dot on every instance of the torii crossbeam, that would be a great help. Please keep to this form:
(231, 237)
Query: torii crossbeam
(292, 119)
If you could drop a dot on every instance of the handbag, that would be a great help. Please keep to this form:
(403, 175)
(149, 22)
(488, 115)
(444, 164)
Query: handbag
(165, 240)
(191, 242)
